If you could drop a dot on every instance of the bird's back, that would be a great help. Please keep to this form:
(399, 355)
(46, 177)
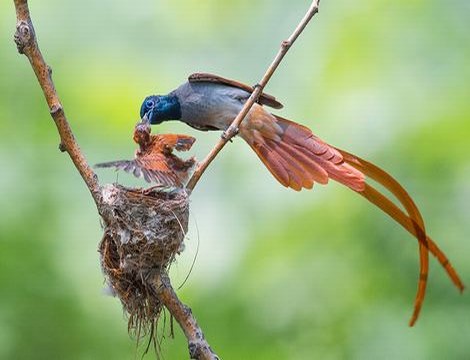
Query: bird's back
(211, 105)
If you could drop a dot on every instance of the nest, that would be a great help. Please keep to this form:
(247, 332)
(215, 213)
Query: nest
(143, 232)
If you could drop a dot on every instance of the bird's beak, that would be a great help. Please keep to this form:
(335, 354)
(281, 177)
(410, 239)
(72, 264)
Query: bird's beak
(147, 117)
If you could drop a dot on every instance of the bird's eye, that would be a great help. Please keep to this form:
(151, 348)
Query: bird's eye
(149, 104)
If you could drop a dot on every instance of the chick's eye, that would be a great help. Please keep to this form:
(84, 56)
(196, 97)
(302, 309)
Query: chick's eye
(149, 104)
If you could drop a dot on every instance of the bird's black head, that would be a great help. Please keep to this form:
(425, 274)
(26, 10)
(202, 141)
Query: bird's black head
(160, 108)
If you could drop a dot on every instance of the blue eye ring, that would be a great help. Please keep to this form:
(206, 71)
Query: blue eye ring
(149, 104)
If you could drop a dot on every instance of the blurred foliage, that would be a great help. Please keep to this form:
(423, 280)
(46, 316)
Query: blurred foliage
(279, 274)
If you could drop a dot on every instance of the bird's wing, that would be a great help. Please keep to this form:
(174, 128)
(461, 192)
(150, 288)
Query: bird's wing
(152, 169)
(264, 99)
(179, 142)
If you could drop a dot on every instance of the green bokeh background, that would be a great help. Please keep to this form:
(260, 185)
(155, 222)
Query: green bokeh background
(279, 274)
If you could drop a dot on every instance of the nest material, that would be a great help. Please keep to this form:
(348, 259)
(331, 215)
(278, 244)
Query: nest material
(143, 232)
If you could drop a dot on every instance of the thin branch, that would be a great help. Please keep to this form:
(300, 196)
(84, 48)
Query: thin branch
(199, 348)
(25, 39)
(233, 128)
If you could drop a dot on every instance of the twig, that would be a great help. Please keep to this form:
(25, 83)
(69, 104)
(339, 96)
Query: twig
(233, 128)
(199, 348)
(25, 39)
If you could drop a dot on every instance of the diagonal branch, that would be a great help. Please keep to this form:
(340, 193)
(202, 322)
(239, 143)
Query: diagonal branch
(199, 348)
(233, 128)
(25, 39)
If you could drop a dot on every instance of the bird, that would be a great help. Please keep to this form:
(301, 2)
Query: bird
(295, 156)
(154, 160)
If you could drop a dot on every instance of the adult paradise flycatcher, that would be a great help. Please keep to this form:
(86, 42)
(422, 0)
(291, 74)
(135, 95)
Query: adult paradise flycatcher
(293, 154)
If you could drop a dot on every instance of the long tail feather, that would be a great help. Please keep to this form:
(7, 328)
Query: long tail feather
(378, 199)
(402, 195)
(297, 159)
(415, 223)
(400, 217)
(371, 171)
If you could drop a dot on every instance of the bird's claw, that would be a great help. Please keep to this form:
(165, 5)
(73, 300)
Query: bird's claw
(230, 133)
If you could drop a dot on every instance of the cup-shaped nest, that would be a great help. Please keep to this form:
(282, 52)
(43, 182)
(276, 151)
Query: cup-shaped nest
(143, 232)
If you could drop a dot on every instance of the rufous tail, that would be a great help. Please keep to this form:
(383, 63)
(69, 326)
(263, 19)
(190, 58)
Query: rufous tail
(413, 223)
(297, 159)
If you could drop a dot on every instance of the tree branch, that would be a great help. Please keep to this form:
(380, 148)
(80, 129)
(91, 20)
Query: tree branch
(233, 128)
(25, 39)
(199, 348)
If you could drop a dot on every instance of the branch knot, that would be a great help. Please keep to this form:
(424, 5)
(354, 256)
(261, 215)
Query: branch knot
(24, 36)
(57, 108)
(201, 350)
